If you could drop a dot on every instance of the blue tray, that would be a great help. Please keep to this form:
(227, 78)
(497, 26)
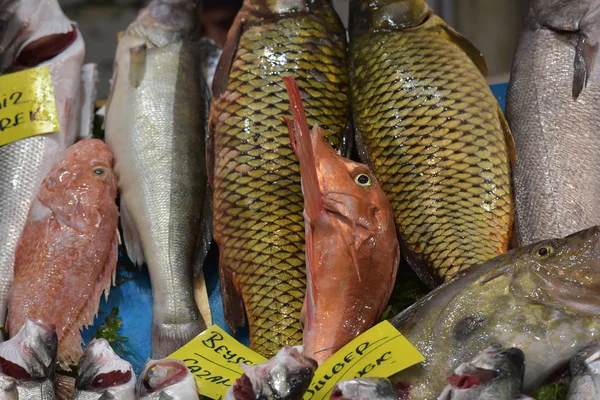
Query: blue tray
(133, 298)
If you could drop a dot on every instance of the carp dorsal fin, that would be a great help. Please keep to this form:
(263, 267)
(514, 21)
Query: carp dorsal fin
(469, 48)
(137, 65)
(508, 136)
(585, 55)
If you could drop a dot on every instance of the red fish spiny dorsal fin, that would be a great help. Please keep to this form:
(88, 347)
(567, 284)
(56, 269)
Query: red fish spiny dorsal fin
(302, 145)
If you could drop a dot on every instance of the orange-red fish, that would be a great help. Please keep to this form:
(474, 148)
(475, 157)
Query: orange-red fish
(352, 250)
(67, 254)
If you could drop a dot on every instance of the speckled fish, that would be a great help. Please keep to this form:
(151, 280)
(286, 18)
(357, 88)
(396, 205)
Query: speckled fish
(35, 33)
(352, 251)
(67, 255)
(155, 125)
(542, 299)
(427, 123)
(554, 114)
(256, 176)
(286, 376)
(102, 374)
(585, 374)
(495, 374)
(364, 389)
(166, 379)
(27, 363)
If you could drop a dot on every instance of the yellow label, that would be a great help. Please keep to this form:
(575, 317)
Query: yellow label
(214, 359)
(381, 351)
(27, 105)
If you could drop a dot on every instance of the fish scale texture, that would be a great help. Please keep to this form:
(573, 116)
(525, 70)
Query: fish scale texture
(258, 201)
(437, 146)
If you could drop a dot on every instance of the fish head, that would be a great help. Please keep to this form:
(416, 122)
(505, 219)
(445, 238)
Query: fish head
(587, 361)
(279, 6)
(81, 188)
(166, 21)
(364, 389)
(285, 376)
(101, 368)
(388, 14)
(31, 353)
(166, 377)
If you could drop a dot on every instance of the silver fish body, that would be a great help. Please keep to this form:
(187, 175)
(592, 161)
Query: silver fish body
(585, 373)
(554, 115)
(154, 124)
(364, 389)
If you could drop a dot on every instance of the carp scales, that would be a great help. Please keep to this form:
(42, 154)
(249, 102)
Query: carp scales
(352, 252)
(542, 299)
(155, 124)
(433, 133)
(552, 109)
(258, 201)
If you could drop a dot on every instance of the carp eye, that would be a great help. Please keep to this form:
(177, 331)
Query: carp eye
(544, 251)
(99, 171)
(363, 180)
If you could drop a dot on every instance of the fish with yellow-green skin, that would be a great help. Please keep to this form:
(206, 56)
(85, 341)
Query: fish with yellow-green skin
(258, 203)
(428, 124)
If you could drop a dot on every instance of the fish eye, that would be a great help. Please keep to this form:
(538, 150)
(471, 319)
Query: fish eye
(544, 251)
(99, 171)
(363, 180)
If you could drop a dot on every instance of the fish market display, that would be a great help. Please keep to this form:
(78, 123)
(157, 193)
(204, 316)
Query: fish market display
(553, 113)
(257, 196)
(36, 33)
(542, 299)
(166, 379)
(155, 124)
(352, 252)
(495, 374)
(585, 372)
(432, 131)
(286, 376)
(211, 52)
(67, 255)
(27, 362)
(103, 375)
(364, 389)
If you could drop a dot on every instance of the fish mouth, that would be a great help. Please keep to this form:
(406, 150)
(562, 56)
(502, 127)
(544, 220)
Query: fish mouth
(101, 368)
(469, 380)
(160, 374)
(45, 48)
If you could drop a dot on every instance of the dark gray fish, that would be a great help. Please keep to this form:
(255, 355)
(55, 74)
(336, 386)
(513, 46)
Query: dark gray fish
(585, 372)
(364, 389)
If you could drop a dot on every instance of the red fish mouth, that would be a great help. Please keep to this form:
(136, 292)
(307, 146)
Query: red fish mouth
(14, 370)
(467, 381)
(111, 379)
(176, 372)
(45, 48)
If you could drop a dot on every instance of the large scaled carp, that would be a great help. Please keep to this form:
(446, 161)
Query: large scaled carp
(542, 299)
(433, 133)
(258, 201)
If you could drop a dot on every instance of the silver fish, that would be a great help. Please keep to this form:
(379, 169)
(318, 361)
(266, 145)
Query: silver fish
(554, 114)
(286, 376)
(585, 372)
(103, 374)
(42, 35)
(29, 359)
(166, 379)
(495, 374)
(364, 389)
(541, 298)
(155, 124)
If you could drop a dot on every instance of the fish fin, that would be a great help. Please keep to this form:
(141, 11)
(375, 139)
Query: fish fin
(205, 233)
(416, 264)
(469, 48)
(168, 338)
(508, 136)
(233, 303)
(585, 55)
(89, 80)
(362, 149)
(131, 236)
(69, 348)
(201, 297)
(221, 77)
(64, 386)
(137, 65)
(109, 274)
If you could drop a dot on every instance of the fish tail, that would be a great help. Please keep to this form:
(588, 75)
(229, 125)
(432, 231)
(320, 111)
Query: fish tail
(168, 338)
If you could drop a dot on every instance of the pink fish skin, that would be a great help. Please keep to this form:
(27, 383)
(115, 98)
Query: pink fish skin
(352, 251)
(67, 254)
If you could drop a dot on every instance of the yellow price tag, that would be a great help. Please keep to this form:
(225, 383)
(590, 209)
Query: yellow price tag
(214, 359)
(381, 351)
(27, 105)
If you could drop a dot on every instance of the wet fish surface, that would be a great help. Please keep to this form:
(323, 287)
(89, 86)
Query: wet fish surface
(542, 299)
(170, 379)
(352, 252)
(155, 124)
(433, 133)
(364, 389)
(37, 34)
(585, 374)
(258, 202)
(67, 256)
(552, 110)
(102, 374)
